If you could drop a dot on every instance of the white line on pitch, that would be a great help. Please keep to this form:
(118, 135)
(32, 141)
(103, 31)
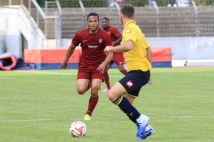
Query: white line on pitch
(29, 120)
(159, 118)
(61, 73)
(54, 73)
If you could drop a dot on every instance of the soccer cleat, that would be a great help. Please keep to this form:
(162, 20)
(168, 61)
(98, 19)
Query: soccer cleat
(100, 87)
(106, 90)
(148, 131)
(142, 126)
(87, 117)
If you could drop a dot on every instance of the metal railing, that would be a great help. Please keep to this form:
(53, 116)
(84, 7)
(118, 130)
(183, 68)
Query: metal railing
(52, 20)
(105, 3)
(48, 20)
(86, 3)
(162, 21)
(156, 21)
(136, 3)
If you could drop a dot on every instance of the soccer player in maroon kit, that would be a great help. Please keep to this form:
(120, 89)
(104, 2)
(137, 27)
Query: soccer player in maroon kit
(118, 59)
(93, 61)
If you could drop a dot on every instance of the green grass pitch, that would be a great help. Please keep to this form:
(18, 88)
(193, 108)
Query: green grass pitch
(39, 106)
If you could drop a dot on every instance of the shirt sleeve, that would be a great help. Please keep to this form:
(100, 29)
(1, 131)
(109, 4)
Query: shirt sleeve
(129, 34)
(116, 32)
(76, 39)
(147, 45)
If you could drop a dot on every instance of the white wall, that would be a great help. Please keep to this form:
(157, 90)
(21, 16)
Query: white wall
(188, 48)
(13, 21)
(183, 48)
(10, 36)
(29, 29)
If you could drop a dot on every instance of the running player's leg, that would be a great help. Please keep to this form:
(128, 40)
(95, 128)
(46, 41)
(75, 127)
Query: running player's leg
(97, 79)
(116, 95)
(83, 82)
(107, 82)
(122, 69)
(130, 85)
(119, 60)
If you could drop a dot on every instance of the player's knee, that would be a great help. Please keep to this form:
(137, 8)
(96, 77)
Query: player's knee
(80, 91)
(111, 96)
(94, 91)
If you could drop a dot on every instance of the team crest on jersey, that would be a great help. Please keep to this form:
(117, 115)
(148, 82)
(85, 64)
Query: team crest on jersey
(128, 31)
(129, 83)
(109, 33)
(100, 40)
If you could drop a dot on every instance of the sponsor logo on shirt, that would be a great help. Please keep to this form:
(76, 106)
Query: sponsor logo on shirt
(84, 40)
(92, 46)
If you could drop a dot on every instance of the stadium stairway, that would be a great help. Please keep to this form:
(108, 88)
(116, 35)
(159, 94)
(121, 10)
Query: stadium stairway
(166, 22)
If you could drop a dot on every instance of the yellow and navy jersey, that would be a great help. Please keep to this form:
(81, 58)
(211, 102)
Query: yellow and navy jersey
(136, 59)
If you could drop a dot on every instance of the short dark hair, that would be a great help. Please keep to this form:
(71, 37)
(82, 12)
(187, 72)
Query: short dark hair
(105, 18)
(127, 10)
(93, 14)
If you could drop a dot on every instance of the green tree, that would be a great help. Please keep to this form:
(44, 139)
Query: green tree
(41, 3)
(202, 2)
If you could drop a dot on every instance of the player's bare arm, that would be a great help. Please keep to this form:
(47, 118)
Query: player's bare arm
(117, 41)
(149, 57)
(70, 51)
(108, 59)
(149, 54)
(127, 46)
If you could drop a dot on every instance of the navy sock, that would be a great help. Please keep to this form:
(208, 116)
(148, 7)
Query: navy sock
(127, 108)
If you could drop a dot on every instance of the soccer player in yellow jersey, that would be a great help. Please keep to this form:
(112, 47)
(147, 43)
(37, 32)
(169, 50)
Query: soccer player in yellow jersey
(138, 59)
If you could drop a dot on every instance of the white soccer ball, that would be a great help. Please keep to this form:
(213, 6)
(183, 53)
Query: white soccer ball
(78, 129)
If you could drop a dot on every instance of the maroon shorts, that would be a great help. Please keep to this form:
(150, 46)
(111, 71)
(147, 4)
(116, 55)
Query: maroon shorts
(118, 58)
(90, 74)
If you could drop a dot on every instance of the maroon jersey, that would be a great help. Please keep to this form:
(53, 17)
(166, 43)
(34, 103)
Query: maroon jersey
(114, 33)
(92, 47)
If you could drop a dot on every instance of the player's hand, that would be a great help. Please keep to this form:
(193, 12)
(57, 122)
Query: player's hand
(64, 65)
(150, 81)
(107, 49)
(101, 67)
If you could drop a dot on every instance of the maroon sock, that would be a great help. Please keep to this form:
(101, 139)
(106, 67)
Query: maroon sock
(107, 80)
(92, 104)
(124, 71)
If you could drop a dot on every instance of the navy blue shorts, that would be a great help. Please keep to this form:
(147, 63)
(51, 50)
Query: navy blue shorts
(134, 80)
